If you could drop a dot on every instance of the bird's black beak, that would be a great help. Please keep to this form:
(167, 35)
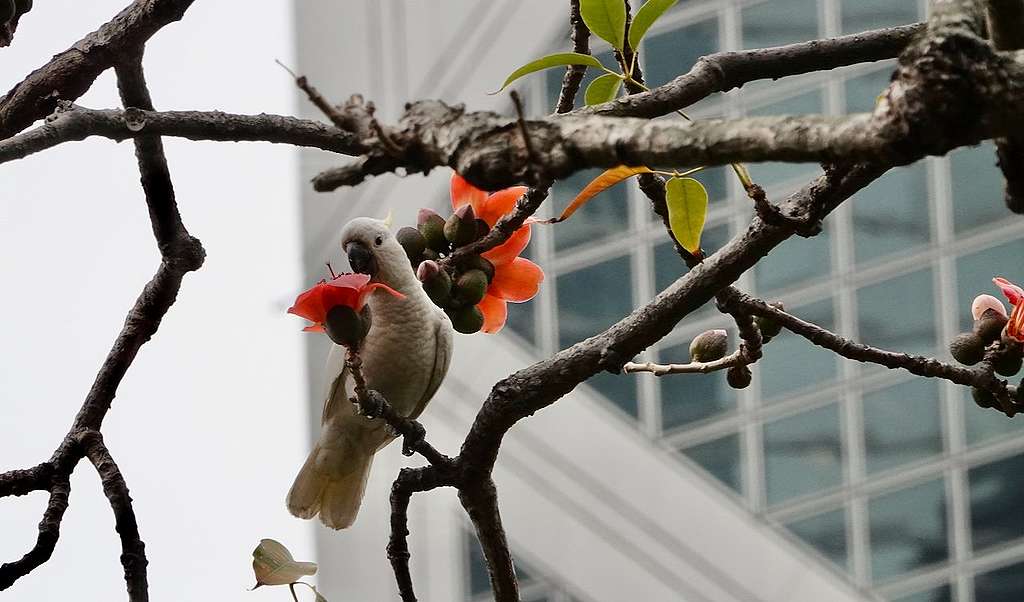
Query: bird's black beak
(361, 259)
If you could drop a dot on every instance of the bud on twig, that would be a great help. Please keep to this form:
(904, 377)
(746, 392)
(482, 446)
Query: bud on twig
(769, 328)
(436, 282)
(738, 377)
(467, 320)
(414, 243)
(709, 346)
(967, 348)
(989, 325)
(470, 287)
(346, 327)
(460, 229)
(431, 226)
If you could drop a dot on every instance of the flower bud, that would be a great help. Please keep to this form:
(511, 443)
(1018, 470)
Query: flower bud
(460, 229)
(769, 328)
(436, 282)
(738, 377)
(7, 11)
(431, 226)
(430, 254)
(344, 326)
(476, 262)
(467, 320)
(967, 348)
(983, 398)
(1009, 362)
(413, 242)
(470, 287)
(709, 346)
(989, 325)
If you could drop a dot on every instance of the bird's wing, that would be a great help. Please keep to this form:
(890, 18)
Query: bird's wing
(442, 358)
(337, 381)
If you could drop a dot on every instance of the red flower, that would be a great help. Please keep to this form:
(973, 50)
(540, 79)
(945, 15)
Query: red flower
(344, 289)
(516, 279)
(1015, 295)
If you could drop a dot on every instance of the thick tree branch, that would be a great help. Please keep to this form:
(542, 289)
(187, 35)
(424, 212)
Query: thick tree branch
(180, 254)
(75, 123)
(133, 551)
(580, 35)
(981, 377)
(49, 532)
(724, 71)
(479, 497)
(69, 74)
(1006, 28)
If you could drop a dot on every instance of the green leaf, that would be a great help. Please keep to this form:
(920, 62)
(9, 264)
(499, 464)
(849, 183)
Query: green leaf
(606, 19)
(645, 17)
(274, 564)
(687, 207)
(560, 59)
(603, 89)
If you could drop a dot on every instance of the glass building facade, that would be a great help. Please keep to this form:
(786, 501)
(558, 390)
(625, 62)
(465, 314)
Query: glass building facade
(901, 484)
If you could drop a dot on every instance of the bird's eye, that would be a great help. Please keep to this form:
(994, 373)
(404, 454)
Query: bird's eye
(378, 241)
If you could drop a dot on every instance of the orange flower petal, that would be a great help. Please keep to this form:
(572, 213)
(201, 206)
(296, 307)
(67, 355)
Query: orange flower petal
(510, 249)
(464, 193)
(314, 328)
(517, 281)
(498, 204)
(495, 313)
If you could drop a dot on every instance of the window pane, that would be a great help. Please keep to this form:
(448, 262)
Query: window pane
(687, 398)
(770, 173)
(977, 187)
(672, 53)
(521, 320)
(780, 22)
(620, 389)
(908, 529)
(862, 15)
(939, 594)
(1001, 585)
(902, 424)
(997, 491)
(974, 274)
(891, 214)
(721, 458)
(826, 533)
(791, 363)
(802, 454)
(606, 215)
(862, 91)
(578, 315)
(795, 261)
(898, 314)
(668, 266)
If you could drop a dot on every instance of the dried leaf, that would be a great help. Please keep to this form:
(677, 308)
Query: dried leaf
(687, 208)
(274, 564)
(597, 185)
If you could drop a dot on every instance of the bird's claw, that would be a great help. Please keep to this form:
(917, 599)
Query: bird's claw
(415, 435)
(372, 404)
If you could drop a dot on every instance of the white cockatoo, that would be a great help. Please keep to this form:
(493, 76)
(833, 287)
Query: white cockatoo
(405, 357)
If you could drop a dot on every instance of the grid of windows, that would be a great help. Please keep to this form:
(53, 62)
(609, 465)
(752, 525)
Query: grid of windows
(899, 482)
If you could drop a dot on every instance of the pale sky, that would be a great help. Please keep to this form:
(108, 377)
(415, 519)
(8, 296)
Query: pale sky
(209, 426)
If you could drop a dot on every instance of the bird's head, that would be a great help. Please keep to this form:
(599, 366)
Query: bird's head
(373, 250)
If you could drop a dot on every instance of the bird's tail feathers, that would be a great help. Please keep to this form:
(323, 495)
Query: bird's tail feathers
(331, 486)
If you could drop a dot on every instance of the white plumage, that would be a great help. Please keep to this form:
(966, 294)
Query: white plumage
(405, 357)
